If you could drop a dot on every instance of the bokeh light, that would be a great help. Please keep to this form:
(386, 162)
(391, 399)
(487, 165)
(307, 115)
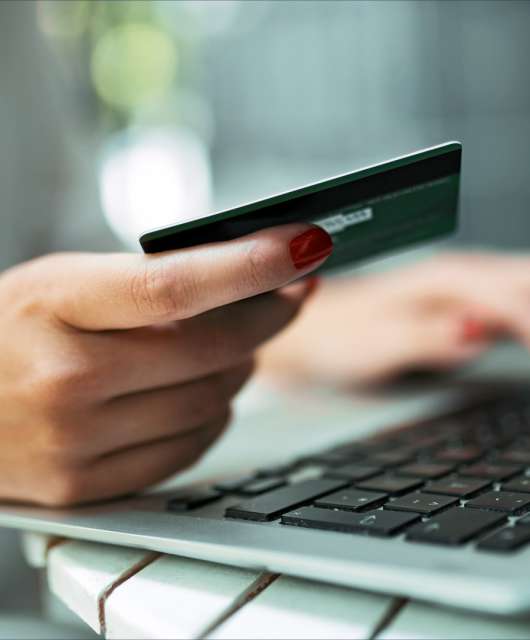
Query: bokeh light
(153, 178)
(133, 64)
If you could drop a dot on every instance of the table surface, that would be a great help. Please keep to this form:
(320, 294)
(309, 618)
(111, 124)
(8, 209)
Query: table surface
(131, 593)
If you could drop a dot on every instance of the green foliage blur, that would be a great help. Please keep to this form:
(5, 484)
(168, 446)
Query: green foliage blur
(125, 57)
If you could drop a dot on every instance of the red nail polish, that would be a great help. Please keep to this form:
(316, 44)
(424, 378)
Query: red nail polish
(473, 330)
(310, 247)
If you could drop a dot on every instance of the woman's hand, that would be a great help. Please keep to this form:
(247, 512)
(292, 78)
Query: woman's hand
(118, 370)
(436, 314)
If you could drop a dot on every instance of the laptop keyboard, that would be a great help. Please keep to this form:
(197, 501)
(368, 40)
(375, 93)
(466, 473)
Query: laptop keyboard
(459, 479)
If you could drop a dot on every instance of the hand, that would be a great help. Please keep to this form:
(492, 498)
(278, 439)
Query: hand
(118, 370)
(433, 315)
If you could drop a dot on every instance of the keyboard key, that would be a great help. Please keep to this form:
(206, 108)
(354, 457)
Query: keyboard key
(280, 470)
(521, 483)
(193, 499)
(457, 486)
(351, 500)
(261, 485)
(489, 470)
(455, 526)
(426, 470)
(376, 523)
(271, 505)
(504, 501)
(307, 472)
(230, 486)
(353, 472)
(386, 483)
(459, 454)
(421, 503)
(508, 539)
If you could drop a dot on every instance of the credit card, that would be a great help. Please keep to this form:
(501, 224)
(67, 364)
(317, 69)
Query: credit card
(369, 212)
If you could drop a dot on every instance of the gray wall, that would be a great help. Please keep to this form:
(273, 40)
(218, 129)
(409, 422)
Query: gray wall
(301, 90)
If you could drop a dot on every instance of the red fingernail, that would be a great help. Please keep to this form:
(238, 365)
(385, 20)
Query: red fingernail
(310, 247)
(472, 330)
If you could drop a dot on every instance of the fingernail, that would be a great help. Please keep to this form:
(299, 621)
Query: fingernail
(310, 247)
(472, 330)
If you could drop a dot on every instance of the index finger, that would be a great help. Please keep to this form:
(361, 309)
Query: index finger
(121, 291)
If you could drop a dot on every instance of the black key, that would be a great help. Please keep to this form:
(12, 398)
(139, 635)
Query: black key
(376, 523)
(425, 470)
(517, 456)
(193, 499)
(457, 486)
(504, 501)
(459, 454)
(351, 500)
(489, 470)
(353, 472)
(392, 458)
(271, 505)
(276, 471)
(455, 526)
(261, 485)
(230, 486)
(522, 484)
(387, 483)
(507, 539)
(421, 503)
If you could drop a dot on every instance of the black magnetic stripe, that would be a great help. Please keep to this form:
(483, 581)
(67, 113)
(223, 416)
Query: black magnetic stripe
(309, 206)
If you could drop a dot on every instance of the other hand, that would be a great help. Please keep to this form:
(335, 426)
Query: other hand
(436, 314)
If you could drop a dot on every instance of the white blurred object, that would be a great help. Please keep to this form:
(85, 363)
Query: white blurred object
(154, 177)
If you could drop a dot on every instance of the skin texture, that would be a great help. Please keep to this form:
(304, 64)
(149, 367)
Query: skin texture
(434, 315)
(118, 370)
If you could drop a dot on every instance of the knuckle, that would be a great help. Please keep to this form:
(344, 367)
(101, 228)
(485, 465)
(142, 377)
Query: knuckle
(60, 439)
(258, 266)
(60, 382)
(156, 293)
(64, 488)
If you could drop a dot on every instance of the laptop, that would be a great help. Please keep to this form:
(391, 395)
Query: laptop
(434, 506)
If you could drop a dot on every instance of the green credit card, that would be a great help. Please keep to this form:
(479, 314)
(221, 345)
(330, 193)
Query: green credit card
(375, 210)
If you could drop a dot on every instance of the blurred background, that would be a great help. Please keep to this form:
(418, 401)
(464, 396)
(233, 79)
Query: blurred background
(119, 116)
(146, 113)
